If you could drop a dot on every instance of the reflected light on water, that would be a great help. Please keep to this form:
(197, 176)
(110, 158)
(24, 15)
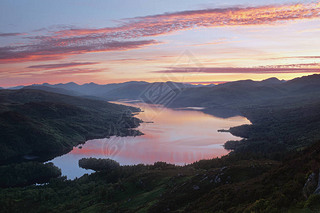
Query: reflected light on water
(175, 136)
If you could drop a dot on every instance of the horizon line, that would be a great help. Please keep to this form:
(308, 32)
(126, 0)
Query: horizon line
(192, 83)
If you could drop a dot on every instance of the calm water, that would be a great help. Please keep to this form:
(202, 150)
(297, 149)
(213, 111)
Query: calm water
(175, 136)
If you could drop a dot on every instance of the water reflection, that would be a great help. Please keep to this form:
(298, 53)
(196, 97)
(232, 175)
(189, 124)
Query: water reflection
(174, 136)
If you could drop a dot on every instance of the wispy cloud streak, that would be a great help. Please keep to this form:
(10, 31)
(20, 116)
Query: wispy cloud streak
(52, 49)
(171, 22)
(76, 71)
(11, 34)
(63, 65)
(252, 70)
(62, 43)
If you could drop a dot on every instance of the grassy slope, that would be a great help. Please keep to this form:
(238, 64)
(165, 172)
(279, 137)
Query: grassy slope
(39, 122)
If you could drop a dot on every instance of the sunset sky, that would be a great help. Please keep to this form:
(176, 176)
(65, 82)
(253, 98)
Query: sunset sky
(179, 40)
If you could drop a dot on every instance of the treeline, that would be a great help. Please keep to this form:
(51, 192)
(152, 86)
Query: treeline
(277, 129)
(24, 174)
(98, 164)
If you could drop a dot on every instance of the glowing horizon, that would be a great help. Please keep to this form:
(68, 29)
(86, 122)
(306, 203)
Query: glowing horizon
(201, 42)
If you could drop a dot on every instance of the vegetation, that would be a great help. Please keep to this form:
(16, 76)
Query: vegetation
(234, 183)
(44, 124)
(284, 115)
(235, 98)
(275, 168)
(27, 173)
(278, 128)
(98, 164)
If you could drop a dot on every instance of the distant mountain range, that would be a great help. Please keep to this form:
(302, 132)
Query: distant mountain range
(247, 92)
(222, 100)
(16, 87)
(116, 91)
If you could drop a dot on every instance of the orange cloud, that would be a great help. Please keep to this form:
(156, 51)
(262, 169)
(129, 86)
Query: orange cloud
(170, 22)
(297, 68)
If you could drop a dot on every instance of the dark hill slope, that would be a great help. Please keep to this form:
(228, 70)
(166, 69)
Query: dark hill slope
(127, 90)
(239, 94)
(228, 94)
(53, 90)
(34, 122)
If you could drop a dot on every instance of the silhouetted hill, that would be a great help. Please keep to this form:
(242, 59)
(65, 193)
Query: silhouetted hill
(220, 98)
(310, 79)
(228, 95)
(304, 84)
(129, 90)
(126, 90)
(16, 87)
(271, 81)
(92, 89)
(143, 91)
(35, 122)
(53, 90)
(238, 94)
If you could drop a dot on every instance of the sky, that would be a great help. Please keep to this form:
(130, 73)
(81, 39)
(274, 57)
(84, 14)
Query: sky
(113, 41)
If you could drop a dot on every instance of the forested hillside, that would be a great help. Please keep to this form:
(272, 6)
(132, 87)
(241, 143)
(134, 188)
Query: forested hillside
(44, 124)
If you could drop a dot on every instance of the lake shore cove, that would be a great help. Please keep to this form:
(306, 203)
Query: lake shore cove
(174, 136)
(43, 124)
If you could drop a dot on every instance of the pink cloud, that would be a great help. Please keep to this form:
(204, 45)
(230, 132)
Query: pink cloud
(77, 71)
(63, 72)
(63, 65)
(171, 22)
(255, 70)
(52, 49)
(11, 34)
(63, 43)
